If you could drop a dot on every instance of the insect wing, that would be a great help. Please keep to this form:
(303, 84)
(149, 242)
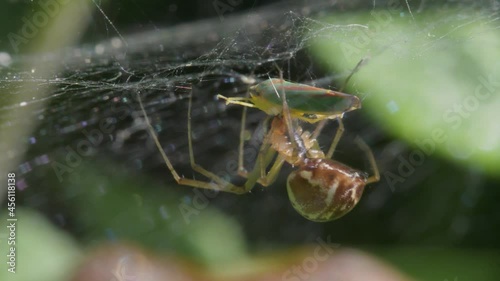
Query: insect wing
(306, 99)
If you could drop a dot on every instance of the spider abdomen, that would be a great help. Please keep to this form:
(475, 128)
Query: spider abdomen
(323, 189)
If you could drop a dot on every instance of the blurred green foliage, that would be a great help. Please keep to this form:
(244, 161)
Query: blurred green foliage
(433, 81)
(444, 264)
(43, 252)
(132, 208)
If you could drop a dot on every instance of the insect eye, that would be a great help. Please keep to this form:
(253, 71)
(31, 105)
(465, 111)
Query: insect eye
(310, 116)
(324, 190)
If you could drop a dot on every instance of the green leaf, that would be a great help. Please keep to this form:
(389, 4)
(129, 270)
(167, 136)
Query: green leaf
(433, 82)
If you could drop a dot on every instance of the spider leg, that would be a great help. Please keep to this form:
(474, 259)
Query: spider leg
(376, 175)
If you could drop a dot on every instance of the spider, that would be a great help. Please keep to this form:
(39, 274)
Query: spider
(320, 189)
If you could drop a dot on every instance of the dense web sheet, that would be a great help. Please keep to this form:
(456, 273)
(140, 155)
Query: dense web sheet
(84, 102)
(96, 82)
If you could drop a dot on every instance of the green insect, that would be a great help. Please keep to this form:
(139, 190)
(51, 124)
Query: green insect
(320, 189)
(305, 102)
